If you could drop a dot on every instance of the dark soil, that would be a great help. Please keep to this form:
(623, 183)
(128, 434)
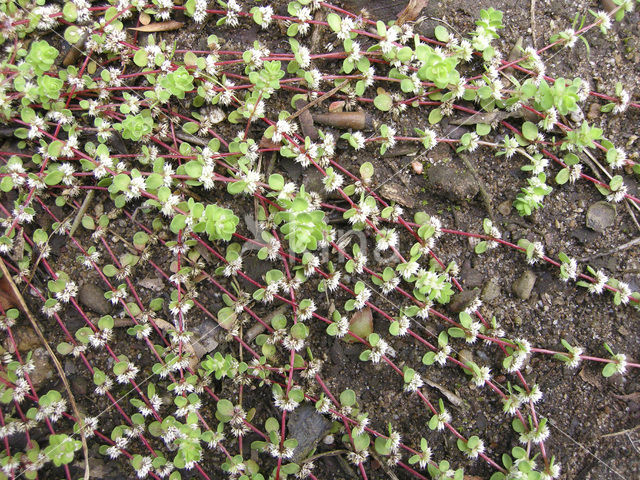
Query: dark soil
(593, 420)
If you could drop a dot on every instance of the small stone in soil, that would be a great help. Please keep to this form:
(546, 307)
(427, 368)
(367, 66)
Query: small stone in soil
(205, 337)
(308, 427)
(584, 235)
(491, 291)
(398, 193)
(79, 385)
(255, 268)
(600, 216)
(43, 370)
(463, 299)
(452, 182)
(25, 339)
(523, 286)
(471, 277)
(505, 207)
(465, 355)
(92, 297)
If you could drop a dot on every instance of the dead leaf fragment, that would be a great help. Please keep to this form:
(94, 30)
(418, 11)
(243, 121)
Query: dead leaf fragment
(591, 378)
(145, 19)
(398, 194)
(452, 397)
(306, 120)
(336, 106)
(630, 397)
(411, 11)
(159, 27)
(361, 324)
(7, 298)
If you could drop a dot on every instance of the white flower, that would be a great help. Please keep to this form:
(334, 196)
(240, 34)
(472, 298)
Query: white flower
(333, 281)
(619, 158)
(368, 76)
(362, 298)
(600, 281)
(621, 362)
(481, 376)
(346, 25)
(306, 313)
(574, 357)
(604, 20)
(358, 139)
(442, 355)
(232, 13)
(305, 56)
(625, 292)
(534, 395)
(618, 195)
(251, 178)
(70, 290)
(380, 350)
(572, 37)
(333, 181)
(443, 417)
(267, 14)
(477, 449)
(623, 102)
(145, 467)
(233, 267)
(390, 285)
(551, 473)
(386, 239)
(167, 207)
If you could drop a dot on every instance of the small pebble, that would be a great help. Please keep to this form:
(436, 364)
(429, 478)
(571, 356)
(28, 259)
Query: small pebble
(452, 182)
(505, 207)
(461, 300)
(92, 297)
(491, 291)
(600, 216)
(43, 369)
(465, 355)
(308, 427)
(523, 286)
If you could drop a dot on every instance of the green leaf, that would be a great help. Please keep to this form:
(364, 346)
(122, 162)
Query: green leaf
(529, 131)
(276, 182)
(483, 129)
(154, 181)
(348, 398)
(70, 12)
(109, 270)
(190, 127)
(563, 176)
(481, 247)
(193, 169)
(54, 178)
(442, 34)
(383, 102)
(609, 369)
(141, 58)
(178, 223)
(225, 407)
(64, 348)
(6, 184)
(435, 116)
(334, 22)
(72, 34)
